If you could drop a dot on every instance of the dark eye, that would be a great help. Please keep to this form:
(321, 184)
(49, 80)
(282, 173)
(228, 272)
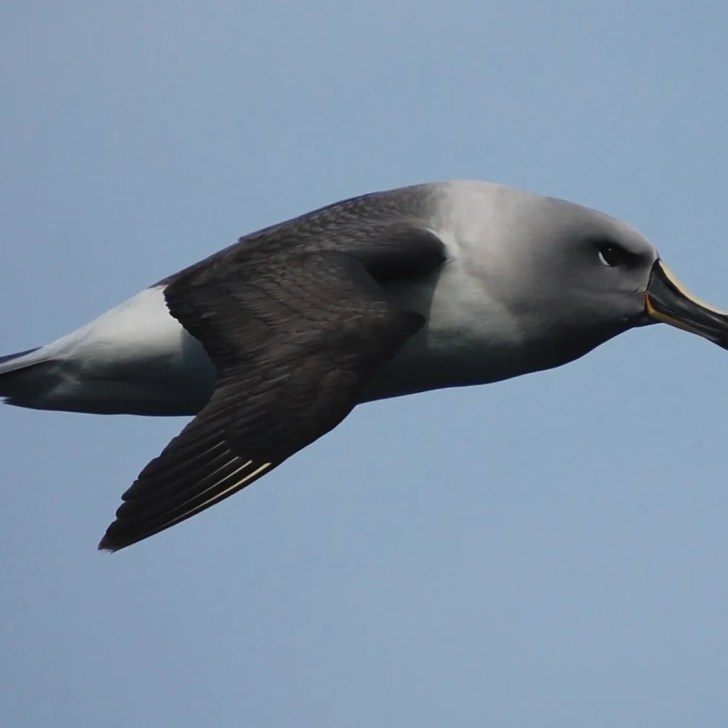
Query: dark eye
(612, 255)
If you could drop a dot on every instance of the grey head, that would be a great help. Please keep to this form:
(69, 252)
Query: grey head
(567, 278)
(587, 274)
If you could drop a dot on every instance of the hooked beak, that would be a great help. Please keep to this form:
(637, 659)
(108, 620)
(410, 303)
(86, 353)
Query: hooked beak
(667, 300)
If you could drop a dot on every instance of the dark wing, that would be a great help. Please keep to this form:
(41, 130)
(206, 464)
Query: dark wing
(295, 339)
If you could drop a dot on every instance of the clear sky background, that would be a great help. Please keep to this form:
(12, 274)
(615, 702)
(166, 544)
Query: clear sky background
(548, 551)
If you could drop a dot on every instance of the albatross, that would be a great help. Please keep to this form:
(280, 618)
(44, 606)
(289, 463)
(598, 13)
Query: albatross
(271, 342)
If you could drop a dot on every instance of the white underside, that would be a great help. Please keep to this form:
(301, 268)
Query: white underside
(134, 358)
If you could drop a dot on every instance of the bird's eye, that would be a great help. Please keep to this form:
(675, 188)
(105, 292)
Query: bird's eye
(612, 255)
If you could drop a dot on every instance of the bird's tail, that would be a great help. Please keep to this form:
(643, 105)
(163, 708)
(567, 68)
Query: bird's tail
(23, 377)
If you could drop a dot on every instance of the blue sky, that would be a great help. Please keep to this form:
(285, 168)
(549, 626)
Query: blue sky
(546, 551)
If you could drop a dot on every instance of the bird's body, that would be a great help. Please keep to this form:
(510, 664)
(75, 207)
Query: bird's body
(138, 358)
(272, 341)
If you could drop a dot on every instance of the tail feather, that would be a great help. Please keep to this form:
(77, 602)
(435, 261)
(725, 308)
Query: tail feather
(22, 378)
(10, 362)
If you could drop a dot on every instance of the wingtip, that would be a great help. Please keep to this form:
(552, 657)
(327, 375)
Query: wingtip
(107, 547)
(111, 542)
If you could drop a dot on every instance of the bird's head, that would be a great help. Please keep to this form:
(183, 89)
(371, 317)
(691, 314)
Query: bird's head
(594, 277)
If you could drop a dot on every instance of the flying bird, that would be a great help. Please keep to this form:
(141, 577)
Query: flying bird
(271, 342)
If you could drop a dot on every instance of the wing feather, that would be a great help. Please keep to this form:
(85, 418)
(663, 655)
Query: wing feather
(295, 339)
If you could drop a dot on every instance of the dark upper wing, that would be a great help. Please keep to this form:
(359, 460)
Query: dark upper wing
(295, 338)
